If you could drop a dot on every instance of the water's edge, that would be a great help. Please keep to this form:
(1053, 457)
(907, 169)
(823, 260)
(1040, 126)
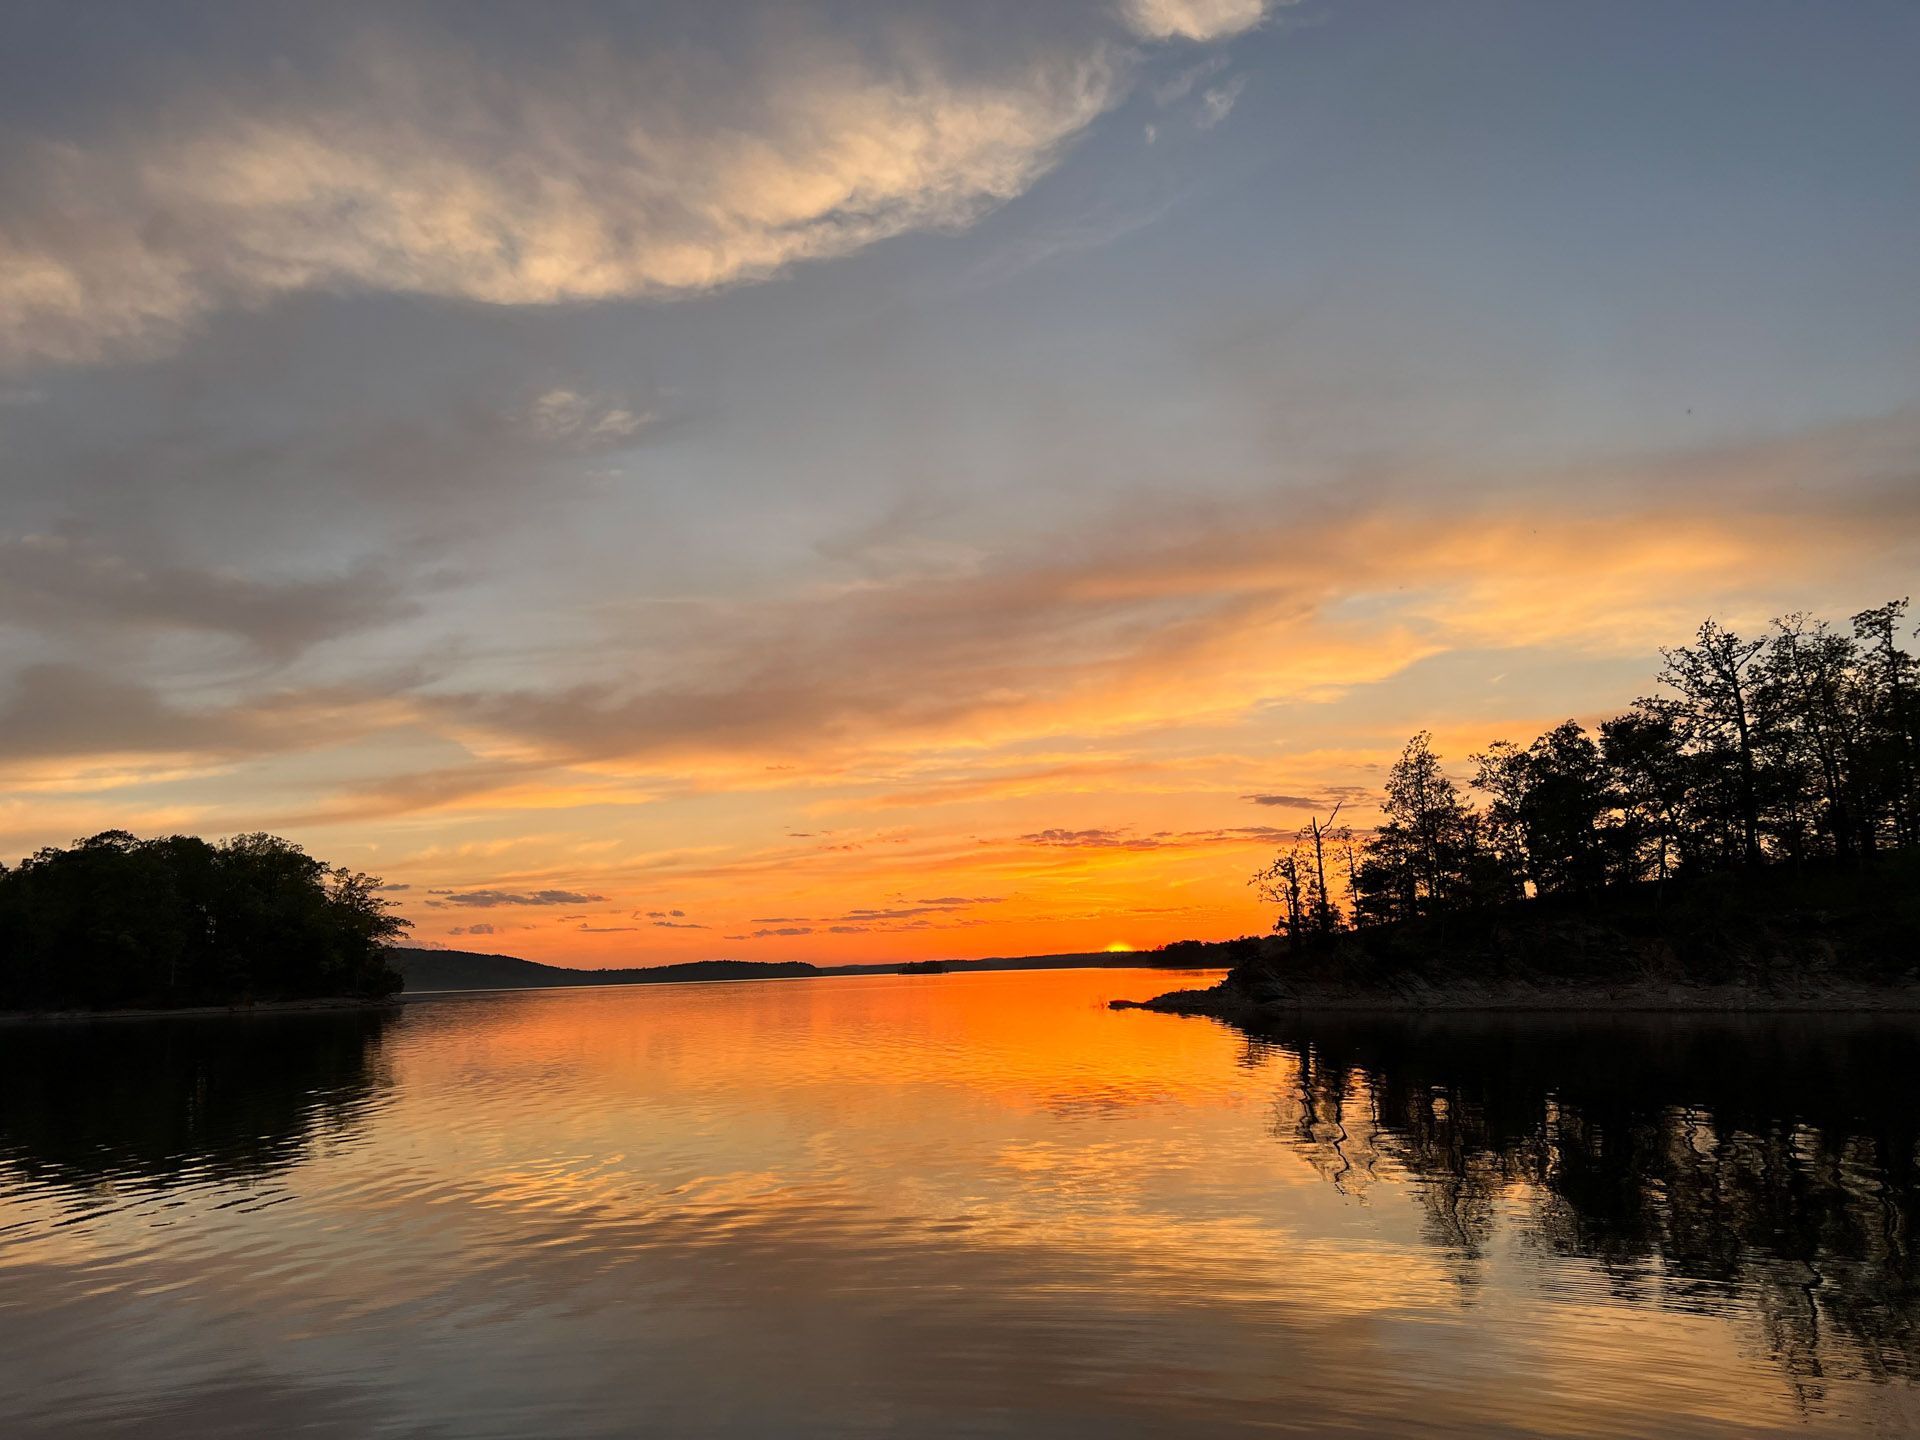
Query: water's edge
(200, 1012)
(1228, 1002)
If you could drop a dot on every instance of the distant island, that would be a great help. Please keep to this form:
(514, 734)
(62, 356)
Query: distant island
(1749, 839)
(114, 922)
(438, 971)
(432, 971)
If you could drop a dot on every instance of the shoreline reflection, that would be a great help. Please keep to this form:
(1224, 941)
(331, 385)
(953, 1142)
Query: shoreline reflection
(1769, 1166)
(155, 1103)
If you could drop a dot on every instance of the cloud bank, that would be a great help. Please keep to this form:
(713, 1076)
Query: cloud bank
(605, 170)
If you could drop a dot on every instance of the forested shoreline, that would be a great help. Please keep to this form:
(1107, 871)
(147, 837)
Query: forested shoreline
(117, 922)
(1756, 821)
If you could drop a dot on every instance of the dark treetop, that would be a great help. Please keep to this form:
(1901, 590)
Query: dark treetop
(118, 922)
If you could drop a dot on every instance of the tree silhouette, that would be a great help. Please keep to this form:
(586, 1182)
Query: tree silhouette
(1800, 746)
(118, 921)
(1719, 693)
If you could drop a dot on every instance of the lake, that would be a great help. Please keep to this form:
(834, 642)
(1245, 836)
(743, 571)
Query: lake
(965, 1204)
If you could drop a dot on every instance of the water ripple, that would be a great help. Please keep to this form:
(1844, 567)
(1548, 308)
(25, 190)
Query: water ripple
(974, 1204)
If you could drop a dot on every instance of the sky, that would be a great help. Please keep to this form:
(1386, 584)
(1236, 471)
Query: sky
(845, 481)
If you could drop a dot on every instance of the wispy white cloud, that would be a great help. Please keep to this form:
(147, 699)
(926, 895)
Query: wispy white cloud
(1180, 84)
(1218, 101)
(425, 170)
(1201, 20)
(585, 421)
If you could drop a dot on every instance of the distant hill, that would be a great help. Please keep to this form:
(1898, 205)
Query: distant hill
(427, 971)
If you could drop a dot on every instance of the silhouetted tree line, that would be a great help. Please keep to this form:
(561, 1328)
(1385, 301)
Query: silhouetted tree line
(116, 921)
(1765, 1168)
(1798, 744)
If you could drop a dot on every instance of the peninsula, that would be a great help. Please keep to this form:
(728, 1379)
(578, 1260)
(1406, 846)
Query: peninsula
(1819, 937)
(1747, 839)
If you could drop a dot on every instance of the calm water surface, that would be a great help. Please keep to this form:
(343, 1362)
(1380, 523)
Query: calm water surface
(953, 1205)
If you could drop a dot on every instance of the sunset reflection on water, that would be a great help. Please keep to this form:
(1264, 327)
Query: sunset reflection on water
(944, 1204)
